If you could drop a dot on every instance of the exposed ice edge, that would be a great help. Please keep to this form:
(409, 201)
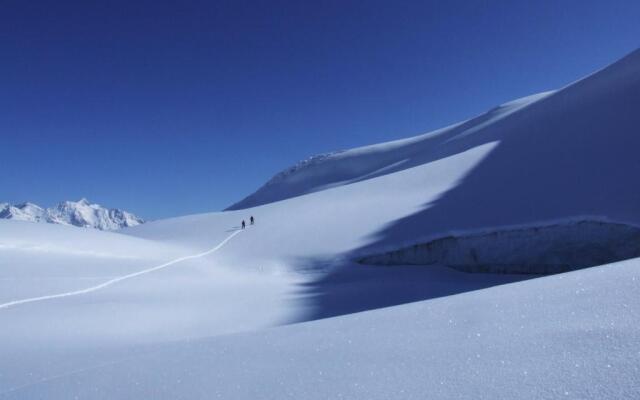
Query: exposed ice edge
(494, 228)
(550, 246)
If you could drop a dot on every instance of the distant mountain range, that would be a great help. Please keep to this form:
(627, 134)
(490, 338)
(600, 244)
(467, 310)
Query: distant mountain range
(80, 213)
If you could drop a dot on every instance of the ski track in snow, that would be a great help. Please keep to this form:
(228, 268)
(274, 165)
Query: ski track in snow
(120, 278)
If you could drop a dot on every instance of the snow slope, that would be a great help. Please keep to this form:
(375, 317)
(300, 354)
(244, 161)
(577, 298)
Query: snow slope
(570, 336)
(560, 156)
(72, 298)
(76, 213)
(35, 256)
(178, 308)
(343, 167)
(321, 225)
(270, 274)
(568, 153)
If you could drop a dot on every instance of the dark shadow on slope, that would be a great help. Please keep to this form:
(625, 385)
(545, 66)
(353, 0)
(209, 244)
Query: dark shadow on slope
(351, 288)
(570, 155)
(573, 154)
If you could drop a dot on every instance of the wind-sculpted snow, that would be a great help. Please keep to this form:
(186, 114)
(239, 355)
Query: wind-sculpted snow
(542, 249)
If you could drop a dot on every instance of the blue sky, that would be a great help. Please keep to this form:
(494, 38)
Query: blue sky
(171, 108)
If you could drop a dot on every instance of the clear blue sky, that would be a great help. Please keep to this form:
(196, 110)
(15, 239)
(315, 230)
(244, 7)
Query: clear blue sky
(170, 108)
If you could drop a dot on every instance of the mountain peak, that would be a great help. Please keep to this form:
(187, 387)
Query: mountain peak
(26, 204)
(81, 213)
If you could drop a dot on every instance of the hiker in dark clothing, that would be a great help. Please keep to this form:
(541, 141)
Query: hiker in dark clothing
(251, 220)
(243, 224)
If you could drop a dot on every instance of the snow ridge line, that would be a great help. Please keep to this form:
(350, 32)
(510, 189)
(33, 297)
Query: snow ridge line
(119, 279)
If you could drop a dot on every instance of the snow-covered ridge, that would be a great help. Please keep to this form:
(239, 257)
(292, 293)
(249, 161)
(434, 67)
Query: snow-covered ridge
(327, 170)
(564, 120)
(301, 165)
(80, 213)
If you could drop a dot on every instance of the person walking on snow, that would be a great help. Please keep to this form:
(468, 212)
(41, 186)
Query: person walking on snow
(251, 220)
(243, 224)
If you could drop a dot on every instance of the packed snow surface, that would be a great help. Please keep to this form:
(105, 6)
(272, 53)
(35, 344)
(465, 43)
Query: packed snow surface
(196, 307)
(80, 213)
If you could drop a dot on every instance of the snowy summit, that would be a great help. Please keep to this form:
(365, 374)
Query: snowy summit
(80, 213)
